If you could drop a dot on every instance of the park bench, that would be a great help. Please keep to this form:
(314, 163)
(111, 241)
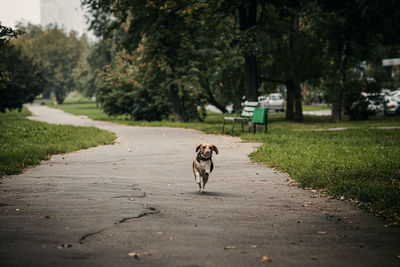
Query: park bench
(245, 116)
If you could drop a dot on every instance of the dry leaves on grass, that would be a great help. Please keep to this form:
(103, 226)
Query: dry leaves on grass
(175, 255)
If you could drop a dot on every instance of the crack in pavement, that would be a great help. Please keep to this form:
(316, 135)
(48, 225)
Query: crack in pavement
(144, 213)
(82, 240)
(152, 211)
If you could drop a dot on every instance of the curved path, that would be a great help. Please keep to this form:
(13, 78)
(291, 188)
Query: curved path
(135, 203)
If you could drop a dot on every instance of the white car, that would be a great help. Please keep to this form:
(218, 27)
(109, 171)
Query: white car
(391, 105)
(375, 102)
(395, 95)
(273, 101)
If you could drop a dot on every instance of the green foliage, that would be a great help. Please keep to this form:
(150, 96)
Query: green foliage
(92, 64)
(126, 90)
(25, 143)
(25, 80)
(223, 50)
(5, 35)
(57, 51)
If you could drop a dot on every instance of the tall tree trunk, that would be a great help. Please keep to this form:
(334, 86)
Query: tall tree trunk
(340, 84)
(46, 93)
(177, 106)
(251, 77)
(289, 100)
(248, 19)
(298, 101)
(295, 81)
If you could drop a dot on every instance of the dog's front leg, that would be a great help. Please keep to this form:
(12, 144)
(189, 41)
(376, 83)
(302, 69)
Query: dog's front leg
(202, 184)
(197, 177)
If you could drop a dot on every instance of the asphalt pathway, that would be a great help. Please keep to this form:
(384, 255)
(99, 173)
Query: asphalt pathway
(136, 203)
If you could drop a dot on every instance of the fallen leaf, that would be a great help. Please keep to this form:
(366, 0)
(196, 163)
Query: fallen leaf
(265, 259)
(160, 233)
(253, 246)
(134, 254)
(321, 232)
(16, 209)
(47, 217)
(175, 255)
(314, 258)
(229, 247)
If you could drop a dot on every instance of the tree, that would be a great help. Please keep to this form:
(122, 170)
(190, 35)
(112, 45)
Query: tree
(293, 54)
(166, 40)
(6, 34)
(124, 90)
(25, 80)
(20, 78)
(58, 52)
(351, 29)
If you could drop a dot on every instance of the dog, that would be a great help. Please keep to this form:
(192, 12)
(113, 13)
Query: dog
(203, 165)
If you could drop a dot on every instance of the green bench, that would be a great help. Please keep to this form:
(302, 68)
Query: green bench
(260, 116)
(246, 115)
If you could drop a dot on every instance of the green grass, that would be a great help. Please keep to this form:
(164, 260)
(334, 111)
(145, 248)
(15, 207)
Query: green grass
(358, 163)
(25, 143)
(316, 107)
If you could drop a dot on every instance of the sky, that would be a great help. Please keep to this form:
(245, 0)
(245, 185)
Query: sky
(12, 11)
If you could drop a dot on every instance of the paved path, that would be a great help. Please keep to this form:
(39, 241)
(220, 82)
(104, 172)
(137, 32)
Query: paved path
(94, 207)
(326, 112)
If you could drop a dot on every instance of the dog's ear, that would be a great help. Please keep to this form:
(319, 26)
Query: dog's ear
(215, 149)
(198, 147)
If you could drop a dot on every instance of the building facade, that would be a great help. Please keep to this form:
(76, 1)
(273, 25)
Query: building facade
(67, 14)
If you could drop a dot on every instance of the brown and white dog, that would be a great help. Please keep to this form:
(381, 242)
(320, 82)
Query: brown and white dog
(203, 165)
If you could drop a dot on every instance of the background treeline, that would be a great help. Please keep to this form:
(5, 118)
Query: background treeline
(155, 60)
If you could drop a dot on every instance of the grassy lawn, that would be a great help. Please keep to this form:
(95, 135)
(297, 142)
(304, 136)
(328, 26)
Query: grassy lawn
(316, 107)
(25, 143)
(358, 163)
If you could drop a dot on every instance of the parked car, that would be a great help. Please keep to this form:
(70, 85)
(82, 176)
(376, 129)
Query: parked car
(376, 102)
(391, 106)
(273, 101)
(395, 95)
